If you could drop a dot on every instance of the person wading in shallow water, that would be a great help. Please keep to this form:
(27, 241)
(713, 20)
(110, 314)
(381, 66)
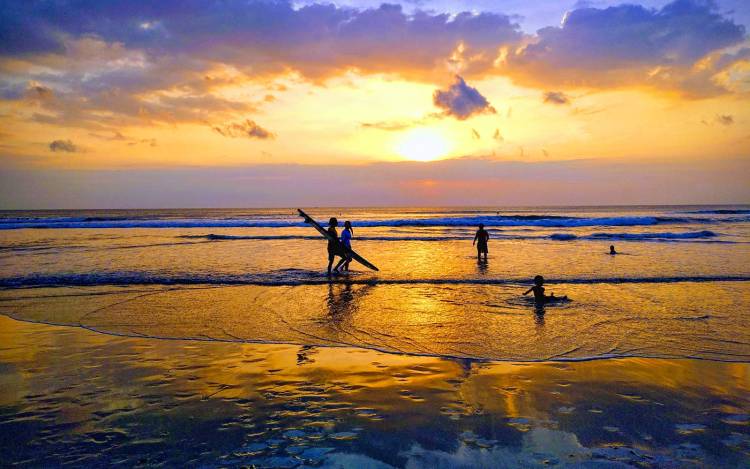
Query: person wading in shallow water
(346, 241)
(334, 247)
(480, 239)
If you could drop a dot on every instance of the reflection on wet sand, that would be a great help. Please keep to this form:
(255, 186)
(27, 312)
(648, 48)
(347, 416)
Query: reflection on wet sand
(77, 397)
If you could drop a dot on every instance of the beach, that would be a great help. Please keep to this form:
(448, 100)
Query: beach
(213, 338)
(85, 399)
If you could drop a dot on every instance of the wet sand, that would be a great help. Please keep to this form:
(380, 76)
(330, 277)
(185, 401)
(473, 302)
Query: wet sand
(78, 397)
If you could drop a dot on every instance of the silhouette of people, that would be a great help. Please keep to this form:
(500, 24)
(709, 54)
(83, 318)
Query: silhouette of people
(346, 241)
(480, 239)
(334, 247)
(539, 297)
(612, 250)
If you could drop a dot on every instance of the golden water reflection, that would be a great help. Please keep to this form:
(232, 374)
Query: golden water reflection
(75, 396)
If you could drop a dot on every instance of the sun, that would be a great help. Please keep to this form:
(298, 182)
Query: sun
(422, 145)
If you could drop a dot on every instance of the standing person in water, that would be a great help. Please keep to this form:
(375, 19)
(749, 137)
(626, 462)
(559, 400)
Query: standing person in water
(346, 240)
(480, 239)
(334, 247)
(539, 297)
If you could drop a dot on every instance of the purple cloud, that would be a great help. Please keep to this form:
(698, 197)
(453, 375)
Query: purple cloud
(461, 100)
(631, 44)
(556, 97)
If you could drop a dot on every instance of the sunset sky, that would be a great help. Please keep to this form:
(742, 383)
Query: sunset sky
(275, 103)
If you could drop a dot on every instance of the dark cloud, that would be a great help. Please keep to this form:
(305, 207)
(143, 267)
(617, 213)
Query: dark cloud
(63, 145)
(248, 129)
(461, 100)
(632, 45)
(725, 119)
(556, 97)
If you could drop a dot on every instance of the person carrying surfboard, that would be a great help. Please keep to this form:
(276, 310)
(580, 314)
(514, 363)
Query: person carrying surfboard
(334, 247)
(346, 241)
(328, 236)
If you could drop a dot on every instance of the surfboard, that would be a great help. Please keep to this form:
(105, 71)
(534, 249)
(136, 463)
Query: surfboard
(327, 236)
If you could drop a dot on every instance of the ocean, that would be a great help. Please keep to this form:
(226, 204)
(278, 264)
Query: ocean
(228, 315)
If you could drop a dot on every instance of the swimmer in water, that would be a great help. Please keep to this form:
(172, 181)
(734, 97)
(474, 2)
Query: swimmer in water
(539, 296)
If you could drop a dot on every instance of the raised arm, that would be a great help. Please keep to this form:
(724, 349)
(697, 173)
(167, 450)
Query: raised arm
(528, 291)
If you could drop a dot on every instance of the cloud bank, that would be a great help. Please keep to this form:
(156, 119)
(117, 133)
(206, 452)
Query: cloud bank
(103, 65)
(679, 47)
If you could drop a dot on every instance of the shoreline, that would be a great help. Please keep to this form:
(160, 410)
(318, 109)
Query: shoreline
(73, 396)
(479, 360)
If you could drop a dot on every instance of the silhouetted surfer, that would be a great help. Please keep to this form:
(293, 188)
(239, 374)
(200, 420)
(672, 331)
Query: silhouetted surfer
(346, 241)
(539, 297)
(480, 239)
(612, 250)
(334, 247)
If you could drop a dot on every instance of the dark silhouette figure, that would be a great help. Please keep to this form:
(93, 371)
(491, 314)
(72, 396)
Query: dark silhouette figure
(480, 239)
(539, 297)
(612, 250)
(334, 247)
(346, 241)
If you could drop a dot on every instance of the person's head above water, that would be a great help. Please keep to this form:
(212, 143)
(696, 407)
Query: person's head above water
(333, 222)
(612, 250)
(539, 280)
(481, 226)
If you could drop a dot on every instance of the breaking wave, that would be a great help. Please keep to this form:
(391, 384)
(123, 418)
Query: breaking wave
(294, 277)
(257, 222)
(689, 235)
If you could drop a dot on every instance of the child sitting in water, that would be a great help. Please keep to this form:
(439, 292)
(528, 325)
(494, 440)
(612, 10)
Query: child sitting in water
(539, 296)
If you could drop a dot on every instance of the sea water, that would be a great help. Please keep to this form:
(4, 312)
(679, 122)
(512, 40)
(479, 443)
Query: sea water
(679, 287)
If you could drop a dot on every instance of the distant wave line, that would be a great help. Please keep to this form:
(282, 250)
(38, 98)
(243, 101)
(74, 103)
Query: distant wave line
(688, 235)
(301, 278)
(549, 221)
